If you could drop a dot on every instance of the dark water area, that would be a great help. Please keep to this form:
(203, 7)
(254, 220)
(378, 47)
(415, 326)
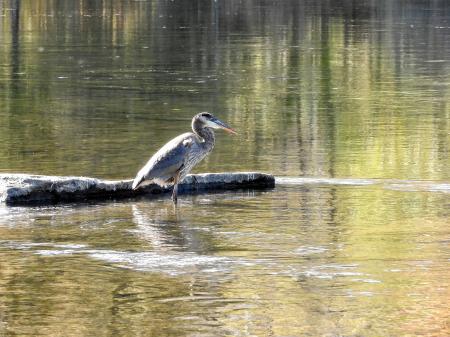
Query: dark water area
(346, 102)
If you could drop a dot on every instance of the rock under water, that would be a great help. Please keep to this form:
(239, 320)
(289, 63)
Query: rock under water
(40, 189)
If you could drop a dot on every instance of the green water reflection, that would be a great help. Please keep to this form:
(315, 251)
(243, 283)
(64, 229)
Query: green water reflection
(93, 88)
(356, 89)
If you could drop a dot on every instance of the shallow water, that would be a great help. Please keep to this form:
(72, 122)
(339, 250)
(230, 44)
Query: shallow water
(298, 260)
(346, 103)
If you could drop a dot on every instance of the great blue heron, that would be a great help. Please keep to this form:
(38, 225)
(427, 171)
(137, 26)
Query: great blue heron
(175, 160)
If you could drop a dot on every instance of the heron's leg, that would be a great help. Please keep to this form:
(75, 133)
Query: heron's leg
(175, 188)
(174, 193)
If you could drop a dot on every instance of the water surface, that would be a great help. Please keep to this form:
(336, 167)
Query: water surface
(347, 103)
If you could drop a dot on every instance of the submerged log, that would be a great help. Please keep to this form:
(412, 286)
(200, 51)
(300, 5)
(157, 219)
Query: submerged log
(38, 189)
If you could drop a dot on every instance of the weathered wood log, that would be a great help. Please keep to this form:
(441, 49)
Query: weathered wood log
(37, 189)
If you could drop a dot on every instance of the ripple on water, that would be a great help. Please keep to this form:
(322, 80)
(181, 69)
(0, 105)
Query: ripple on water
(323, 181)
(172, 263)
(309, 250)
(389, 184)
(31, 245)
(331, 271)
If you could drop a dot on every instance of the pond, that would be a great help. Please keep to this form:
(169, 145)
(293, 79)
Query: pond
(345, 102)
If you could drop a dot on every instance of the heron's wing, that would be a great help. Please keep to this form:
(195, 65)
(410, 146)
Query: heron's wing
(166, 163)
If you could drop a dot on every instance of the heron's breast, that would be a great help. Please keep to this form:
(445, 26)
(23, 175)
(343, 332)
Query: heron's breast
(196, 155)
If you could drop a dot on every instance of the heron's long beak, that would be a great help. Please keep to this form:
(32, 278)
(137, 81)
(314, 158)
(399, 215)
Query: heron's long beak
(221, 125)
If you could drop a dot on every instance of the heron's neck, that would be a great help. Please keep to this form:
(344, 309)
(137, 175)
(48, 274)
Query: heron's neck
(206, 135)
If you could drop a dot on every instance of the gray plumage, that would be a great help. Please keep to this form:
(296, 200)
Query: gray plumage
(170, 164)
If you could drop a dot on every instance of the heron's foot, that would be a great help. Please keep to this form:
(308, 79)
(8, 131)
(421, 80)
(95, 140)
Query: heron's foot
(174, 199)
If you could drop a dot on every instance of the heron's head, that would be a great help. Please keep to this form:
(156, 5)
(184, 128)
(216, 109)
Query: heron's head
(209, 121)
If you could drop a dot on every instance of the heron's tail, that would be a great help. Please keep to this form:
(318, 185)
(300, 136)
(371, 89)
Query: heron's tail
(137, 181)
